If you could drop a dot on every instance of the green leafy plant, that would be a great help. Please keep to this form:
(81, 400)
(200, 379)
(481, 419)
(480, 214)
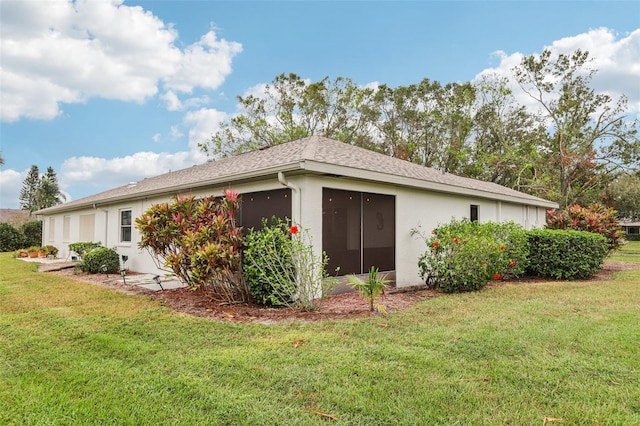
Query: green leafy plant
(100, 260)
(10, 238)
(463, 255)
(281, 267)
(83, 247)
(596, 218)
(32, 231)
(199, 241)
(566, 254)
(370, 289)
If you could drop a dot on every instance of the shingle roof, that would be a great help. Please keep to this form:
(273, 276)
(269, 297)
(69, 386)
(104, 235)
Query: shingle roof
(312, 153)
(14, 217)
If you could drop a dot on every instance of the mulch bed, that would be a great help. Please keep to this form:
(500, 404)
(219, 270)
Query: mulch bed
(334, 307)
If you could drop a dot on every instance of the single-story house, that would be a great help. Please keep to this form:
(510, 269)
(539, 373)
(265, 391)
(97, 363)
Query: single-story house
(358, 206)
(15, 217)
(631, 229)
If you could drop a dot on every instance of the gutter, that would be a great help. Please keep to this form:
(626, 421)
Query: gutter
(297, 211)
(94, 200)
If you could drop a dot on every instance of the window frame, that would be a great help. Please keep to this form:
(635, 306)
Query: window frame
(474, 213)
(123, 226)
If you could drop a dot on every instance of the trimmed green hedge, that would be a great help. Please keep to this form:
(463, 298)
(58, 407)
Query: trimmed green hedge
(565, 254)
(11, 238)
(93, 261)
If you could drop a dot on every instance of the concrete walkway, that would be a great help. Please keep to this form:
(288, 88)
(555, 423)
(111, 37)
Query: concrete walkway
(141, 280)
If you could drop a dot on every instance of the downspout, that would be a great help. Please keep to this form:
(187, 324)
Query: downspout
(297, 207)
(106, 227)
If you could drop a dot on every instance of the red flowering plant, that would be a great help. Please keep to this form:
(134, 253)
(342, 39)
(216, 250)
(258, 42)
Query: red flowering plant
(198, 240)
(464, 255)
(595, 218)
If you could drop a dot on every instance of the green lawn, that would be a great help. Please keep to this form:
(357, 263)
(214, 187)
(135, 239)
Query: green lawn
(630, 252)
(74, 353)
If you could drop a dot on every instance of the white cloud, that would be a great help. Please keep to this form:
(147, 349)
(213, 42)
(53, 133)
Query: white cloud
(205, 63)
(176, 133)
(202, 124)
(616, 59)
(173, 103)
(60, 51)
(156, 137)
(10, 186)
(109, 173)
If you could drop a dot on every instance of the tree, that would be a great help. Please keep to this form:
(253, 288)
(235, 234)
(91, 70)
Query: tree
(505, 140)
(1, 160)
(39, 192)
(623, 194)
(49, 191)
(588, 139)
(291, 108)
(29, 191)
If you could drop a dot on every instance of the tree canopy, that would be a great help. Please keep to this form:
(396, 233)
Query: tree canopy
(40, 191)
(569, 150)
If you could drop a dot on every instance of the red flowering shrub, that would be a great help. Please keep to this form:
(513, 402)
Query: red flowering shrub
(596, 218)
(199, 241)
(464, 256)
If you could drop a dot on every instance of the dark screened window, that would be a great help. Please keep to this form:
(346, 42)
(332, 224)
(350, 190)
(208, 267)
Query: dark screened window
(125, 226)
(341, 230)
(358, 231)
(379, 232)
(473, 213)
(264, 204)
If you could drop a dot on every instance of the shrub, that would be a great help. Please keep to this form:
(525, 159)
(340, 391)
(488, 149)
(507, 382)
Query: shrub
(32, 233)
(566, 255)
(464, 256)
(268, 263)
(100, 260)
(596, 218)
(83, 247)
(199, 241)
(281, 268)
(11, 239)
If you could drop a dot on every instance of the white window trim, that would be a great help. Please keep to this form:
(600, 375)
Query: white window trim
(121, 227)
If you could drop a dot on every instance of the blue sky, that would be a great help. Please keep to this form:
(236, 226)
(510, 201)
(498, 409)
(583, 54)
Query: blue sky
(108, 92)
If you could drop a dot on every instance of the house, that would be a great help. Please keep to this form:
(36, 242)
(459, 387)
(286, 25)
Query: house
(631, 229)
(15, 217)
(358, 206)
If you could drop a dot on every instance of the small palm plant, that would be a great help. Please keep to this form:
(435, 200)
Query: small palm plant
(370, 289)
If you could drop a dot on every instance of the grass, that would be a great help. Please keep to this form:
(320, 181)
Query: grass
(629, 253)
(74, 353)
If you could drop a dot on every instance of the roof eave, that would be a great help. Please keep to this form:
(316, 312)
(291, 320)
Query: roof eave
(187, 187)
(363, 174)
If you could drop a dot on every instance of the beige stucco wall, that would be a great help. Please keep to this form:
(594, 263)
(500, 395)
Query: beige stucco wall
(415, 210)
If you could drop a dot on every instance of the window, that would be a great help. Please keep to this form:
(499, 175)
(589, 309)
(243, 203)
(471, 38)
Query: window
(52, 229)
(358, 231)
(264, 204)
(473, 213)
(66, 228)
(87, 227)
(125, 226)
